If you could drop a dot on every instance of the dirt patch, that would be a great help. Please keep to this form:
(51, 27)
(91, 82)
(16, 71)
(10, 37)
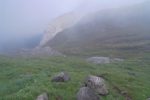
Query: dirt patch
(59, 98)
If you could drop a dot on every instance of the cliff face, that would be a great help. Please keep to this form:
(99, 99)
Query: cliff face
(58, 25)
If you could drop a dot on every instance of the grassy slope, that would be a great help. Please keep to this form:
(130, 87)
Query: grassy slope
(25, 78)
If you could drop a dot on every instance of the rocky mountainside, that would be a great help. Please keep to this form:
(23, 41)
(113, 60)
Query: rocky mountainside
(125, 29)
(59, 24)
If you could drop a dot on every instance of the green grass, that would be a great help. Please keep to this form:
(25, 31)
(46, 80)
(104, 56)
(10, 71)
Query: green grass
(25, 78)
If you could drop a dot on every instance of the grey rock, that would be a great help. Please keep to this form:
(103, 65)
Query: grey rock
(148, 99)
(116, 60)
(43, 96)
(99, 60)
(61, 77)
(85, 93)
(97, 84)
(103, 60)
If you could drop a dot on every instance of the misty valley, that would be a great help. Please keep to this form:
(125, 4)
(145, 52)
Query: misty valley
(75, 50)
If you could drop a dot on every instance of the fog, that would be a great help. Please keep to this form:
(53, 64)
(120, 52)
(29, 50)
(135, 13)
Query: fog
(21, 20)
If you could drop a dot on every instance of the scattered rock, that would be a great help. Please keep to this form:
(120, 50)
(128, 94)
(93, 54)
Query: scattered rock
(97, 84)
(43, 96)
(85, 93)
(61, 77)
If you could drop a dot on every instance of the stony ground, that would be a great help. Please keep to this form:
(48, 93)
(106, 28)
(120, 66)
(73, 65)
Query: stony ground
(26, 78)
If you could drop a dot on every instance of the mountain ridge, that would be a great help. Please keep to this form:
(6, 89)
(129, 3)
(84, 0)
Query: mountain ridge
(113, 29)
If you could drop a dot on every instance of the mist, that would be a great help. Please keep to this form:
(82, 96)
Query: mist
(26, 20)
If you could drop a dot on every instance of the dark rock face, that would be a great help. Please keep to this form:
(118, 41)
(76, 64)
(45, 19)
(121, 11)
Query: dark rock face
(43, 96)
(97, 84)
(61, 77)
(85, 93)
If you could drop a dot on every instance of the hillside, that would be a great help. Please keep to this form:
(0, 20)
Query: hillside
(26, 78)
(117, 31)
(58, 25)
(85, 54)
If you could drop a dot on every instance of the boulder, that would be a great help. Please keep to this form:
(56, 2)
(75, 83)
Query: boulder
(97, 84)
(148, 99)
(85, 93)
(43, 96)
(61, 77)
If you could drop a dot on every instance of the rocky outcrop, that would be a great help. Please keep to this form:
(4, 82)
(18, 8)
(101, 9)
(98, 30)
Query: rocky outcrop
(59, 24)
(97, 84)
(94, 86)
(117, 60)
(103, 60)
(99, 60)
(61, 77)
(43, 96)
(85, 93)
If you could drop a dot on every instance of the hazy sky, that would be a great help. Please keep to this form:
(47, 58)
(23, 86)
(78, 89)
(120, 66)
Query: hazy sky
(29, 16)
(23, 18)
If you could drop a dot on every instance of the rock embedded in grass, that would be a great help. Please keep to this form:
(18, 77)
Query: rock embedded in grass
(103, 60)
(99, 60)
(117, 60)
(97, 84)
(61, 77)
(43, 96)
(85, 93)
(148, 99)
